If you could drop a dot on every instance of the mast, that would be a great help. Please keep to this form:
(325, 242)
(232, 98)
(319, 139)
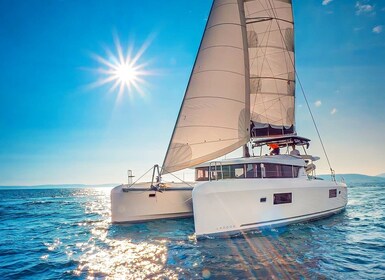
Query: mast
(246, 152)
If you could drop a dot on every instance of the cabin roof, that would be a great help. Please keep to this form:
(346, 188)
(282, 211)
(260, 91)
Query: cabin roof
(277, 159)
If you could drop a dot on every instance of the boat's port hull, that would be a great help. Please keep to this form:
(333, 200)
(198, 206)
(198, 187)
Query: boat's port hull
(140, 204)
(231, 206)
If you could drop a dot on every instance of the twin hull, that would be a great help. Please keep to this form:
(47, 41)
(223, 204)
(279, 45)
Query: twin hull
(230, 206)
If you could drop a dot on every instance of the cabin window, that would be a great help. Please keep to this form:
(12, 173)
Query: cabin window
(238, 171)
(253, 170)
(216, 172)
(295, 171)
(332, 193)
(271, 170)
(282, 198)
(202, 174)
(233, 171)
(250, 170)
(226, 172)
(280, 171)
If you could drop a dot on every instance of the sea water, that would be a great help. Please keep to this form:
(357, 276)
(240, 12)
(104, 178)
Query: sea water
(67, 234)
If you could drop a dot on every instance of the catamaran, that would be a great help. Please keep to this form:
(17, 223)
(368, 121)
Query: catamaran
(241, 94)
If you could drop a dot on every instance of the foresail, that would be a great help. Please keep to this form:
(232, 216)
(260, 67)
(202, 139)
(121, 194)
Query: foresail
(270, 37)
(214, 117)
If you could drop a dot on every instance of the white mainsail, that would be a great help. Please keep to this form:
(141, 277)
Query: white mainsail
(270, 37)
(214, 118)
(244, 71)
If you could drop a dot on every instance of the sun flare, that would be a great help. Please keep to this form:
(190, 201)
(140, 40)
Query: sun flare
(126, 73)
(123, 71)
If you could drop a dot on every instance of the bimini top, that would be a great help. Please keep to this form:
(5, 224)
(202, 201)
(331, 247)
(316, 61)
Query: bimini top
(282, 141)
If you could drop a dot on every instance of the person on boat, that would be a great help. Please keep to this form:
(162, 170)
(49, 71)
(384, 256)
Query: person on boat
(274, 149)
(294, 151)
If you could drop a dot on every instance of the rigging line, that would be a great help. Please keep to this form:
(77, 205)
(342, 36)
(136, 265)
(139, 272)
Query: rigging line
(140, 177)
(307, 102)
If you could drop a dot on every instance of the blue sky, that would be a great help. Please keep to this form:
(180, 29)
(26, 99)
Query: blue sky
(57, 128)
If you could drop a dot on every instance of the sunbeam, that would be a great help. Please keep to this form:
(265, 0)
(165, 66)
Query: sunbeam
(123, 71)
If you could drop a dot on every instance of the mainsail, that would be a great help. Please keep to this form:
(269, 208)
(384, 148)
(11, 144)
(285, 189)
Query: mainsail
(270, 37)
(243, 74)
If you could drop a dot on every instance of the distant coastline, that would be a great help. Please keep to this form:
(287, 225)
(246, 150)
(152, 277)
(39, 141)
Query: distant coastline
(349, 178)
(59, 186)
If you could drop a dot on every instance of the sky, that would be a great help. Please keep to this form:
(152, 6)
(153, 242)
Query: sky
(62, 122)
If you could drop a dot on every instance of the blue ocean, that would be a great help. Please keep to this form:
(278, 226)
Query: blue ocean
(66, 233)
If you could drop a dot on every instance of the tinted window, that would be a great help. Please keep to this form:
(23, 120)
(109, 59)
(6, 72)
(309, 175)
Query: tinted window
(332, 193)
(233, 171)
(202, 174)
(281, 198)
(253, 170)
(280, 171)
(215, 173)
(238, 171)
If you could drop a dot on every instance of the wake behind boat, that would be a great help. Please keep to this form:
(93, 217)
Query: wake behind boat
(241, 93)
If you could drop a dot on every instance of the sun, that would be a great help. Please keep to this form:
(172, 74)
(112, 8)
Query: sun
(126, 73)
(123, 71)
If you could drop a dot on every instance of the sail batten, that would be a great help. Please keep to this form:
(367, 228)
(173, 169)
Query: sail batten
(252, 20)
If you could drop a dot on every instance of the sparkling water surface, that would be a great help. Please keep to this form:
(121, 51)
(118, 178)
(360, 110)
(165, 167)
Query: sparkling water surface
(67, 234)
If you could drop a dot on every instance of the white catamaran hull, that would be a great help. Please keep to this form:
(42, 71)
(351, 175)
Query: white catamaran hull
(231, 206)
(139, 203)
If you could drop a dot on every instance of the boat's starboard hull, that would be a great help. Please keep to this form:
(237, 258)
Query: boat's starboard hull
(232, 206)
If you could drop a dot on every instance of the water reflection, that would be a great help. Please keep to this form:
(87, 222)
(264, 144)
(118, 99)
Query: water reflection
(121, 259)
(110, 258)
